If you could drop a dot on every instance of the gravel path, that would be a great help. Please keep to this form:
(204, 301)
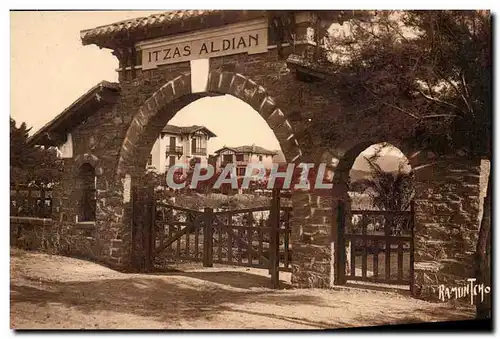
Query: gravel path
(58, 292)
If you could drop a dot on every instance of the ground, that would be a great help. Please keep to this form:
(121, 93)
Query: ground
(55, 292)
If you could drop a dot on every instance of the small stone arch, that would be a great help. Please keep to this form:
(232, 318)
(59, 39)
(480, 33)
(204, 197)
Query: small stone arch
(160, 107)
(91, 159)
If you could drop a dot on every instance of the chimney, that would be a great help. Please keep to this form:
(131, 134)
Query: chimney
(253, 148)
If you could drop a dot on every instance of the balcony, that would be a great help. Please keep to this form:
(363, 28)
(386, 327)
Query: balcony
(174, 150)
(199, 151)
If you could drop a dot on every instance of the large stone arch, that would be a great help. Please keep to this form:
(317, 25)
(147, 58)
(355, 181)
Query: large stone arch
(312, 255)
(160, 107)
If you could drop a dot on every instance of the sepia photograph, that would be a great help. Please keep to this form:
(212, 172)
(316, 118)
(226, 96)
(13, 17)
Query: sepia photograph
(225, 169)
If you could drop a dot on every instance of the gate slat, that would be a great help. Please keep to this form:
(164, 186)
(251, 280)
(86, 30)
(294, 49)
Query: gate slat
(261, 241)
(188, 240)
(170, 232)
(387, 229)
(249, 237)
(229, 237)
(365, 249)
(219, 248)
(375, 260)
(196, 240)
(240, 250)
(178, 252)
(412, 244)
(400, 261)
(161, 231)
(353, 258)
(286, 238)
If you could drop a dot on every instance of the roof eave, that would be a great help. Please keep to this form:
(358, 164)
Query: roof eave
(209, 132)
(314, 71)
(99, 95)
(114, 35)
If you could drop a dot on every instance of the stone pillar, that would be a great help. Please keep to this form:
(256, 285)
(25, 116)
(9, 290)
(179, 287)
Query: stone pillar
(313, 232)
(113, 224)
(311, 239)
(446, 223)
(339, 195)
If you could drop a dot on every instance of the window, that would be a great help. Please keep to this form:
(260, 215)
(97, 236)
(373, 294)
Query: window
(172, 144)
(239, 157)
(260, 157)
(193, 145)
(240, 171)
(171, 160)
(227, 158)
(88, 193)
(199, 145)
(150, 160)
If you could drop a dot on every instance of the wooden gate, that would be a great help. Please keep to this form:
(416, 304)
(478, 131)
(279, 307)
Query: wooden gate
(143, 240)
(252, 237)
(379, 246)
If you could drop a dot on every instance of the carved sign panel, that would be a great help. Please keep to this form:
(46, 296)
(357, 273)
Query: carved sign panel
(250, 37)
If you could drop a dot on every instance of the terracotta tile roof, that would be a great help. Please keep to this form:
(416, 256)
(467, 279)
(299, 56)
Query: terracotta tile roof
(248, 149)
(172, 129)
(165, 23)
(167, 17)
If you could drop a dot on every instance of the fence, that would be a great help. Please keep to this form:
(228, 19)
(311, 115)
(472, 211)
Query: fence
(28, 201)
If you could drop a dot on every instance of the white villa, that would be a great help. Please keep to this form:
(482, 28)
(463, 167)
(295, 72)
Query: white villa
(179, 145)
(243, 155)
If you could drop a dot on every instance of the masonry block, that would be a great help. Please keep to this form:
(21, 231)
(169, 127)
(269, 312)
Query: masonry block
(277, 118)
(258, 98)
(213, 81)
(446, 210)
(226, 79)
(237, 86)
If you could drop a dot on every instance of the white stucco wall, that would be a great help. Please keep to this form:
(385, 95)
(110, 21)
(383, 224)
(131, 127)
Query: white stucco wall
(160, 160)
(267, 160)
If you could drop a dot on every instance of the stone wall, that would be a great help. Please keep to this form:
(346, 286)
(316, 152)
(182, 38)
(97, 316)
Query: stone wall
(483, 184)
(308, 121)
(446, 223)
(36, 234)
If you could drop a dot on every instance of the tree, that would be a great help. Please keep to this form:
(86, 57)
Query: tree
(434, 69)
(31, 165)
(391, 191)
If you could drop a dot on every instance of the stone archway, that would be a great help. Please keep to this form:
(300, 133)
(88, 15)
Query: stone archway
(346, 154)
(163, 104)
(176, 93)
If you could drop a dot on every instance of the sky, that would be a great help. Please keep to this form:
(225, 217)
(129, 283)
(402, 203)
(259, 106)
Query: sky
(50, 69)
